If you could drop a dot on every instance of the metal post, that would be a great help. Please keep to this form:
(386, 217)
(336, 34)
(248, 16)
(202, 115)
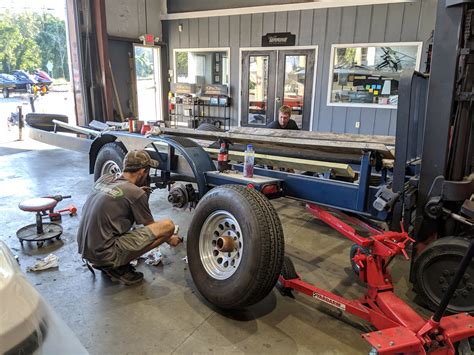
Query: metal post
(20, 123)
(364, 179)
(439, 102)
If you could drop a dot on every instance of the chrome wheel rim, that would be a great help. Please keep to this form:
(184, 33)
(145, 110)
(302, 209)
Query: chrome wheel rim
(221, 245)
(110, 167)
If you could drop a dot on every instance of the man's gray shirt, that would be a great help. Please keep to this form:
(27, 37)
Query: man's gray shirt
(111, 209)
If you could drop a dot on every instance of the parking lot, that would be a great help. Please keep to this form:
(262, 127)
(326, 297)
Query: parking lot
(59, 101)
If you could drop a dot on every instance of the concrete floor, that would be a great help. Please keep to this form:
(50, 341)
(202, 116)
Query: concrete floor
(165, 314)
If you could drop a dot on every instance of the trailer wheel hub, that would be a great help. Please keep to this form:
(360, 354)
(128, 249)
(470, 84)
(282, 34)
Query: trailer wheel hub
(221, 245)
(110, 167)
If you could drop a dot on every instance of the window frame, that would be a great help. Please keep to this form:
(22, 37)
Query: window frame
(208, 49)
(419, 44)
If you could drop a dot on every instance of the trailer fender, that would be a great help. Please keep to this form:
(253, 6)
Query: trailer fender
(95, 147)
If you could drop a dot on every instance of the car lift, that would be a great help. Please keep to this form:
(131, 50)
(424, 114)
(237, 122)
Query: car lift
(399, 327)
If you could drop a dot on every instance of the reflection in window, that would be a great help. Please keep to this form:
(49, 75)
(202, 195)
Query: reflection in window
(370, 75)
(293, 96)
(258, 89)
(202, 68)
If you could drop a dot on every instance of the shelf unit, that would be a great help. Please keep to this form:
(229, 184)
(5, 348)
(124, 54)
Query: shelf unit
(191, 115)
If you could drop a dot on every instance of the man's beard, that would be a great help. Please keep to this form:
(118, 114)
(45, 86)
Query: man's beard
(144, 180)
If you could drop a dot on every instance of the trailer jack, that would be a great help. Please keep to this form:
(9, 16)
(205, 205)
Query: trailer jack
(399, 328)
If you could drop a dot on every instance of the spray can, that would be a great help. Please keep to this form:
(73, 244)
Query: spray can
(249, 160)
(223, 158)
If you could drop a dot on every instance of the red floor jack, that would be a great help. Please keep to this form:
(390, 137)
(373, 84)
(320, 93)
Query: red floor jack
(400, 328)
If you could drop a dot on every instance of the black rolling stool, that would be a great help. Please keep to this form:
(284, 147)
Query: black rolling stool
(40, 231)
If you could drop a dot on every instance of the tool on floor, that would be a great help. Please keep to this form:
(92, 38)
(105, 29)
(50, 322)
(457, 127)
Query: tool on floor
(57, 215)
(399, 328)
(40, 232)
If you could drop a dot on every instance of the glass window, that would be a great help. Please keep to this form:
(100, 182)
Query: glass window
(202, 67)
(293, 93)
(369, 76)
(258, 89)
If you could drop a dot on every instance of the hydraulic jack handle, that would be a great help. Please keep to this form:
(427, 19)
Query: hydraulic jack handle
(396, 241)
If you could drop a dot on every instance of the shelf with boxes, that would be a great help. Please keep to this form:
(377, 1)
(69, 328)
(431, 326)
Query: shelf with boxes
(190, 106)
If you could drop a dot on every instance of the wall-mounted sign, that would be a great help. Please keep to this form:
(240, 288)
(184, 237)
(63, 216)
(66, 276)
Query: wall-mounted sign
(278, 39)
(183, 88)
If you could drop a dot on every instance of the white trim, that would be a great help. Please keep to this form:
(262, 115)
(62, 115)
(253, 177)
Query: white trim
(321, 4)
(210, 49)
(353, 45)
(280, 48)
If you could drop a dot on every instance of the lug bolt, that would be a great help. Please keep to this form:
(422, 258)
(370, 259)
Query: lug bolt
(441, 280)
(379, 346)
(392, 343)
(445, 273)
(444, 289)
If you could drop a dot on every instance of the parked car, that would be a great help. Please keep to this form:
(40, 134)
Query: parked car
(7, 83)
(21, 81)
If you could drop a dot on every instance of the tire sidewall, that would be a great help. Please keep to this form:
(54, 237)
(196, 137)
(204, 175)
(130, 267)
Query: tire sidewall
(109, 151)
(231, 289)
(426, 257)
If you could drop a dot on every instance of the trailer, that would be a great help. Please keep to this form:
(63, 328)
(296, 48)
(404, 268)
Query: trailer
(415, 190)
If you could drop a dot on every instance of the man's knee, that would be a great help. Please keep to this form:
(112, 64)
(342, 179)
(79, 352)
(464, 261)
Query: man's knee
(163, 228)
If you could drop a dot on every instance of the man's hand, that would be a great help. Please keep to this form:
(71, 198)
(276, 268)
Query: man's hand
(174, 240)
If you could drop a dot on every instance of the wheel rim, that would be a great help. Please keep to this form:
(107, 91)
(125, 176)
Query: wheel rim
(221, 245)
(110, 167)
(438, 275)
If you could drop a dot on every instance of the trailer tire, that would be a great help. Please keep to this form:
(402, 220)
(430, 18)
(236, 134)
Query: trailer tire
(109, 160)
(246, 275)
(434, 269)
(44, 121)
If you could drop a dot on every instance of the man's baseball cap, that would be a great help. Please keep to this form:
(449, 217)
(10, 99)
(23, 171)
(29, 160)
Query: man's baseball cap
(137, 159)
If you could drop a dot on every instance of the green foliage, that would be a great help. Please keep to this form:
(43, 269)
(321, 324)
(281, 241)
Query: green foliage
(143, 62)
(182, 64)
(29, 41)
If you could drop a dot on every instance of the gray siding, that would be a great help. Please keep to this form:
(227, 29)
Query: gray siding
(404, 22)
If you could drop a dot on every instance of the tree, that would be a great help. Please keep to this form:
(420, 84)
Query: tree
(29, 41)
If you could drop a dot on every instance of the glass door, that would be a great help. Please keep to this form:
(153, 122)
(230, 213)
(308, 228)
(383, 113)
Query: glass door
(258, 88)
(148, 80)
(295, 84)
(272, 78)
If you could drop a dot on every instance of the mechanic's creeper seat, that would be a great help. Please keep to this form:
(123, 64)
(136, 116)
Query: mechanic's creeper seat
(39, 232)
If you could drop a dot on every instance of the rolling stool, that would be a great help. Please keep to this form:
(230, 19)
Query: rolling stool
(40, 231)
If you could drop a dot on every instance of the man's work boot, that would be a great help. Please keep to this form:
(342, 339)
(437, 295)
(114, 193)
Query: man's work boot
(125, 274)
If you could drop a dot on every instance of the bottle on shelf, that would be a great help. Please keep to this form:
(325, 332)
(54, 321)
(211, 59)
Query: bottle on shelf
(249, 159)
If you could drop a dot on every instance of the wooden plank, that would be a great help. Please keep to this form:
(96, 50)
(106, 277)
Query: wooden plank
(410, 21)
(393, 29)
(306, 28)
(278, 133)
(256, 34)
(294, 24)
(323, 145)
(203, 40)
(214, 32)
(245, 23)
(184, 35)
(194, 31)
(281, 21)
(268, 22)
(224, 35)
(316, 166)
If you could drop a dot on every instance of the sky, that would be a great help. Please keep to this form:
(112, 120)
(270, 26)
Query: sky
(55, 7)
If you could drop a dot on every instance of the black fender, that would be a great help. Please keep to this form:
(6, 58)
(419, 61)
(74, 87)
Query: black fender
(193, 153)
(95, 147)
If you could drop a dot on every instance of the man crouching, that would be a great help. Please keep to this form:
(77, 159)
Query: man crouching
(115, 204)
